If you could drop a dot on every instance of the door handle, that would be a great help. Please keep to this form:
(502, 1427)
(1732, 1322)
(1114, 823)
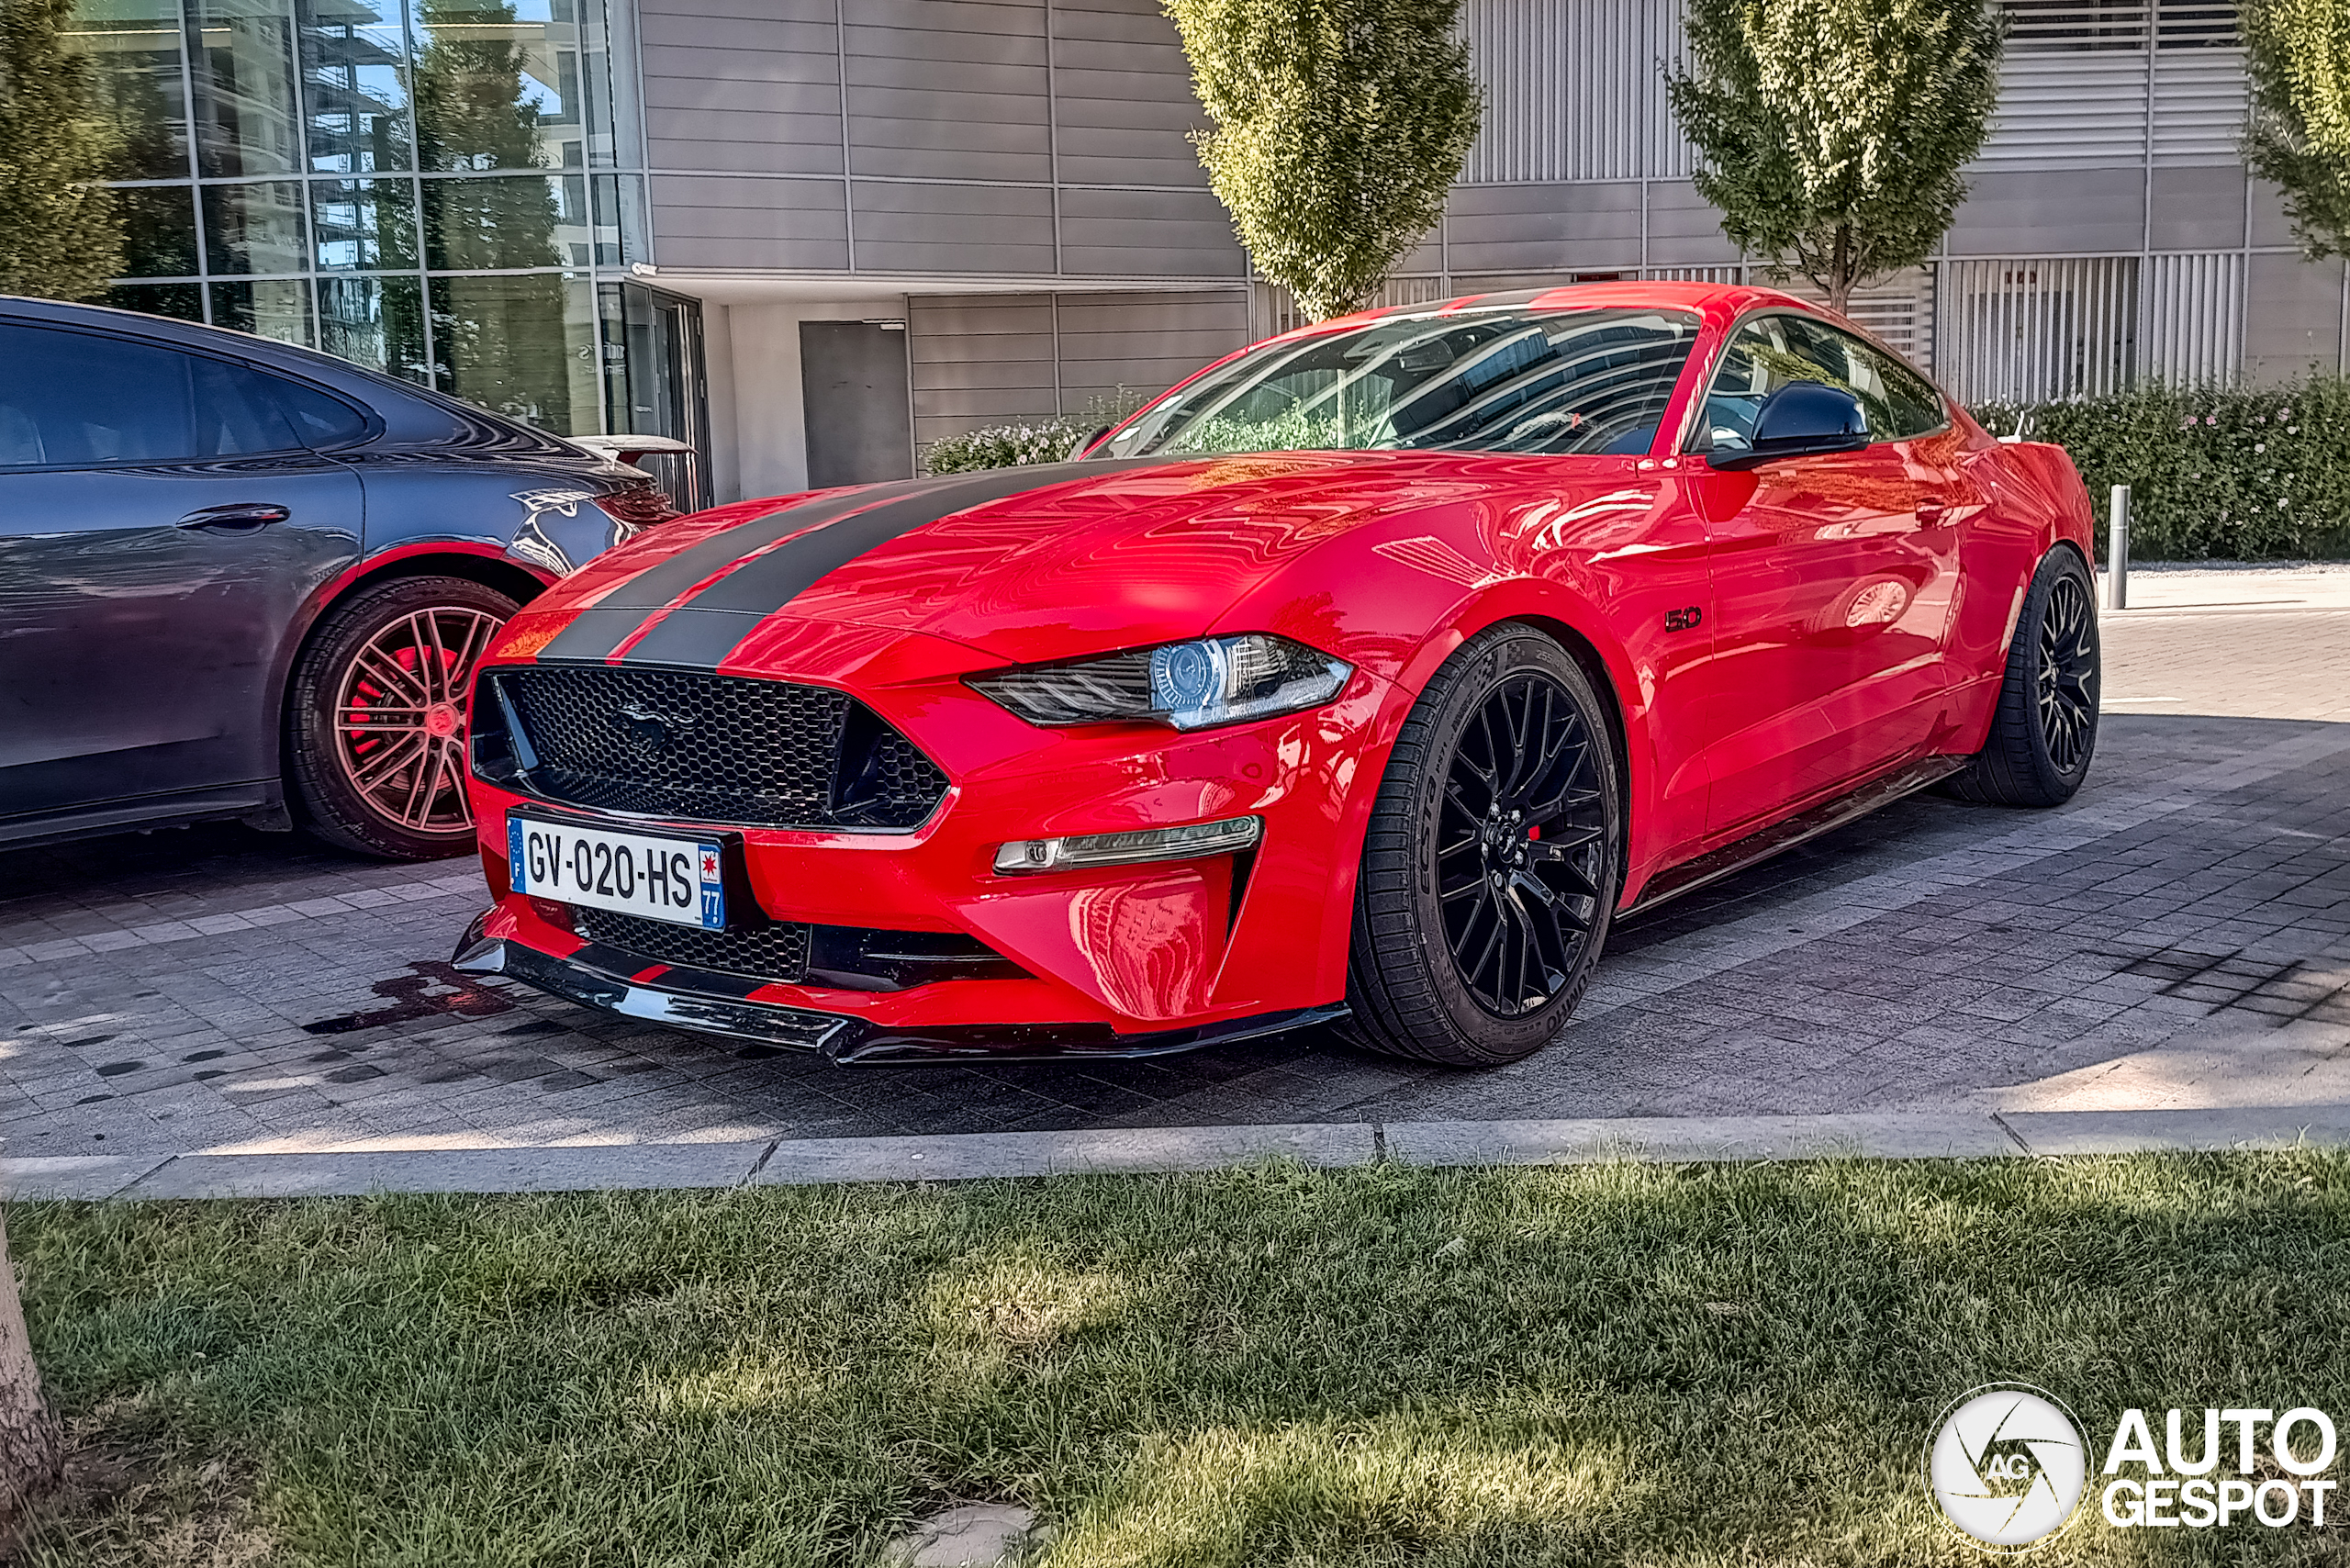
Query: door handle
(237, 517)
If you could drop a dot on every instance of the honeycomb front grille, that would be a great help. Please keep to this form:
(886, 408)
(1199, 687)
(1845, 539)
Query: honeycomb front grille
(768, 953)
(713, 748)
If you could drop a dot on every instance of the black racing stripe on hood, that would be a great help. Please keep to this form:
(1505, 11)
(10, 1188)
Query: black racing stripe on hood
(701, 633)
(595, 633)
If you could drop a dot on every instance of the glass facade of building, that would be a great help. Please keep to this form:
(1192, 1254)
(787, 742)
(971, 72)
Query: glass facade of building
(444, 190)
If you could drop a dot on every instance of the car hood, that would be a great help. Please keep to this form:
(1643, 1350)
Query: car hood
(1021, 564)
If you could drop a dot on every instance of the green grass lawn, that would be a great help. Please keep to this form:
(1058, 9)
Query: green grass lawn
(1669, 1365)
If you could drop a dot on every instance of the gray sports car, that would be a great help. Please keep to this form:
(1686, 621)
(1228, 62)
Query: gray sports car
(248, 581)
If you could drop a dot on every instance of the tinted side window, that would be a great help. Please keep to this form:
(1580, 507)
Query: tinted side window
(79, 398)
(1912, 406)
(320, 421)
(1769, 352)
(235, 415)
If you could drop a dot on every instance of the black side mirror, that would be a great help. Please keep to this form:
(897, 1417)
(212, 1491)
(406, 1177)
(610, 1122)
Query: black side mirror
(1085, 445)
(1803, 418)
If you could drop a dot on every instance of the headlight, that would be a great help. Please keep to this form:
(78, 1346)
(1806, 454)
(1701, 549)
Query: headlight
(1215, 680)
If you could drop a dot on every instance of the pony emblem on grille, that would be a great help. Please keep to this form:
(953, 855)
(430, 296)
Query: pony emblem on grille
(650, 730)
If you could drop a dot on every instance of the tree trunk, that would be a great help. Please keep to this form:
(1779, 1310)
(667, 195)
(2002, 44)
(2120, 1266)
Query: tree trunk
(29, 1437)
(1840, 271)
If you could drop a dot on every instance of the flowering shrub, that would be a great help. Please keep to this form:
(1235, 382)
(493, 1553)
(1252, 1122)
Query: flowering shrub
(2214, 474)
(1002, 446)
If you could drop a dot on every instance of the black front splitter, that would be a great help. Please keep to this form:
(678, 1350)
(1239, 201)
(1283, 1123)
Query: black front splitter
(714, 1003)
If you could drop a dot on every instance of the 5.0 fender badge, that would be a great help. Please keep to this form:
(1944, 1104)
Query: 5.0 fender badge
(1684, 620)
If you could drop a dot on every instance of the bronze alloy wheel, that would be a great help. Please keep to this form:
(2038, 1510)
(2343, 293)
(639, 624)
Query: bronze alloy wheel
(376, 716)
(399, 719)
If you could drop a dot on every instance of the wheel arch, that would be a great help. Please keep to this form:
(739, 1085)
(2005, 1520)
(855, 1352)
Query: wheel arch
(479, 564)
(1587, 657)
(1576, 624)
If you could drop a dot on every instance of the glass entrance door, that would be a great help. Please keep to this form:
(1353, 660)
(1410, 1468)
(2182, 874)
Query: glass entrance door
(653, 383)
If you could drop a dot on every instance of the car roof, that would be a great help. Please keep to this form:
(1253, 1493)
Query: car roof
(1713, 301)
(187, 335)
(372, 387)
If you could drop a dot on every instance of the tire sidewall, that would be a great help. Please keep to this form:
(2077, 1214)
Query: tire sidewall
(2060, 562)
(331, 806)
(1487, 661)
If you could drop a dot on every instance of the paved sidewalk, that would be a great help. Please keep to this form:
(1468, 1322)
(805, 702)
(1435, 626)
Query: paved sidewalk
(2175, 942)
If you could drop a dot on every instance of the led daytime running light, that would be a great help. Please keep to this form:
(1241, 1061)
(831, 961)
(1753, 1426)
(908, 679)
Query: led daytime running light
(1189, 842)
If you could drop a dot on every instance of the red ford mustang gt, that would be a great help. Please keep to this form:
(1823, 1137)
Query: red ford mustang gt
(1364, 677)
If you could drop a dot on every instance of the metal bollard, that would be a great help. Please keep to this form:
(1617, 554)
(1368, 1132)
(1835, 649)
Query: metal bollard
(2117, 551)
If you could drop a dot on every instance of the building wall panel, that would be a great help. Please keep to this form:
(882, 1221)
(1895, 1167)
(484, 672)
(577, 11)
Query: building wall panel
(1145, 233)
(2022, 212)
(1144, 342)
(951, 230)
(2196, 209)
(716, 221)
(2292, 318)
(949, 89)
(1531, 227)
(1123, 106)
(1574, 92)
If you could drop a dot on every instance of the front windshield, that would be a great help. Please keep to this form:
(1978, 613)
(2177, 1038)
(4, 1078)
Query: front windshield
(1507, 379)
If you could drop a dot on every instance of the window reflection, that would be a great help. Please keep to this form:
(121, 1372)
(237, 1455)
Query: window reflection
(364, 225)
(524, 346)
(375, 321)
(278, 308)
(159, 230)
(135, 46)
(500, 222)
(620, 220)
(312, 120)
(497, 85)
(255, 228)
(241, 58)
(179, 301)
(354, 84)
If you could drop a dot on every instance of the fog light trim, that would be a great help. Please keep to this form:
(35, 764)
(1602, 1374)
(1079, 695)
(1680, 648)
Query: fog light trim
(1027, 855)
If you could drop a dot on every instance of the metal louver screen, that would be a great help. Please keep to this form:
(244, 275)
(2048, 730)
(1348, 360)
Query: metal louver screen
(2097, 84)
(2191, 329)
(2038, 330)
(1574, 90)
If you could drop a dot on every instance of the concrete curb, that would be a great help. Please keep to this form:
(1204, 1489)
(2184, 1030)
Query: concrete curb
(1145, 1151)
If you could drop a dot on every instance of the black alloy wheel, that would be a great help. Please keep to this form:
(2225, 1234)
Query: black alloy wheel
(2069, 674)
(1490, 869)
(2045, 732)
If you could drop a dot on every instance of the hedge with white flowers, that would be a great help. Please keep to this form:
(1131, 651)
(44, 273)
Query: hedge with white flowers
(2214, 474)
(1002, 446)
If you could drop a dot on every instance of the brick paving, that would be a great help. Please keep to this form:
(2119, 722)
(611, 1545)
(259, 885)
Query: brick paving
(2179, 936)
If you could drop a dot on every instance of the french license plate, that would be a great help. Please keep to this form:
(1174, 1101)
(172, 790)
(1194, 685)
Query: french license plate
(676, 879)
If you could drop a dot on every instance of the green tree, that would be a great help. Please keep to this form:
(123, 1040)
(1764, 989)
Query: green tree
(60, 230)
(1831, 133)
(2298, 134)
(1339, 125)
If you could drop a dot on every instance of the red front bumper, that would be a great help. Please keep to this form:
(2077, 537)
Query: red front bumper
(1129, 959)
